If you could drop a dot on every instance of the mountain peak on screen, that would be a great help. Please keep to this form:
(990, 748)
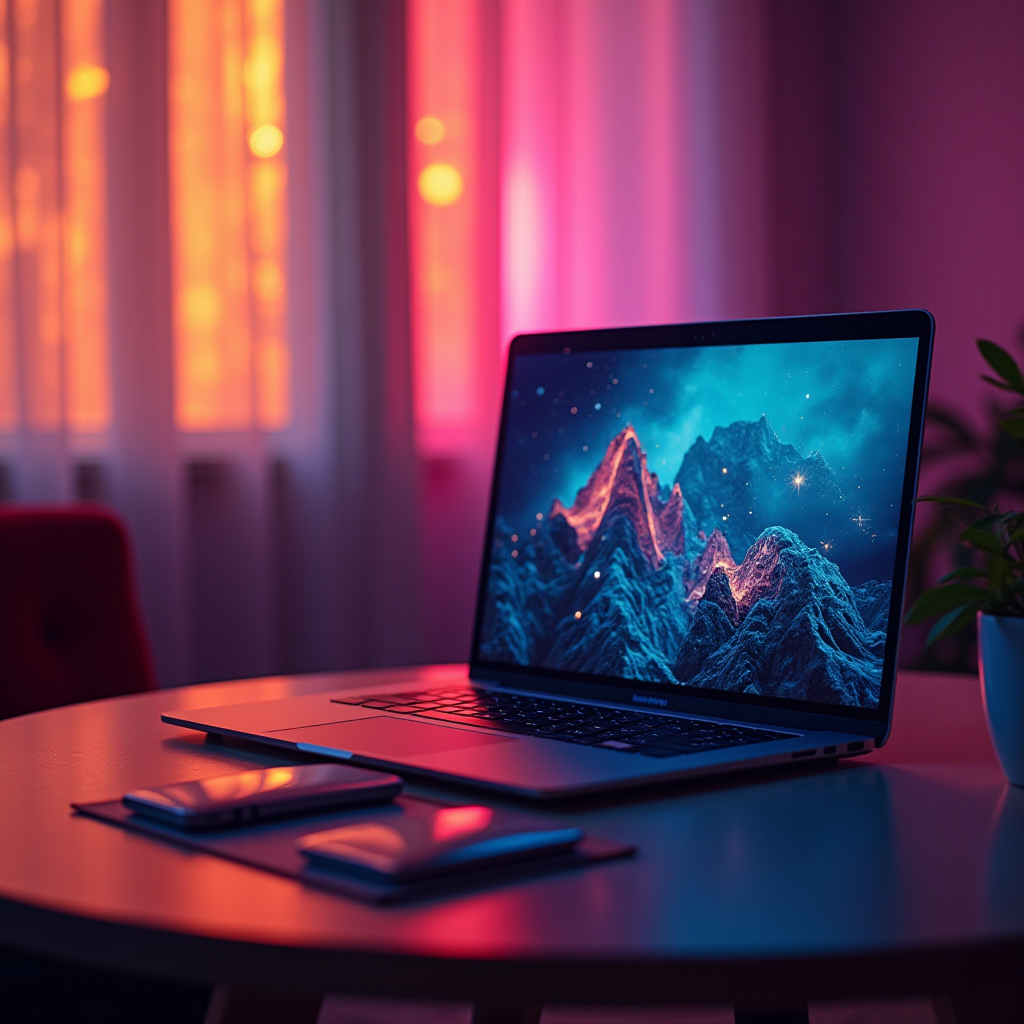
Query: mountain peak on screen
(621, 485)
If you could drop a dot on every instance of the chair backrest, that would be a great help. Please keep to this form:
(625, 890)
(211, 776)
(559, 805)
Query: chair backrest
(70, 628)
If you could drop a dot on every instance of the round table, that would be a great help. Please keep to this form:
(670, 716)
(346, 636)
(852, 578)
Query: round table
(900, 873)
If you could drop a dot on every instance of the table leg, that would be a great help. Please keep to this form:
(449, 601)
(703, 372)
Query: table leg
(230, 1005)
(486, 1013)
(991, 1007)
(791, 1015)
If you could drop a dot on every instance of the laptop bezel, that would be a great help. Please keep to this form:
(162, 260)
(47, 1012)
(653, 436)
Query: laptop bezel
(906, 323)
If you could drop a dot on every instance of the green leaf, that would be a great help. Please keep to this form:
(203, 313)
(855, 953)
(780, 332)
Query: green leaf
(1013, 423)
(996, 383)
(950, 624)
(967, 572)
(1002, 362)
(940, 500)
(999, 575)
(986, 521)
(939, 600)
(982, 540)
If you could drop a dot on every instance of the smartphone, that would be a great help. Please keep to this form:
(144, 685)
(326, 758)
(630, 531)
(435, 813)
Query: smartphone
(426, 840)
(246, 797)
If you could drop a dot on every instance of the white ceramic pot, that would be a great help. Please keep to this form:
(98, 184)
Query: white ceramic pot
(1001, 664)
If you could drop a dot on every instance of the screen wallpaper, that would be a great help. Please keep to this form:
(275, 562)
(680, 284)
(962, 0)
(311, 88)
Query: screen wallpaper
(722, 518)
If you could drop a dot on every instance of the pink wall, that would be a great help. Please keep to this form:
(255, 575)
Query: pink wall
(908, 116)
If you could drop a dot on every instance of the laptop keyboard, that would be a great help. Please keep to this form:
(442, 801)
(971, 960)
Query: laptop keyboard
(631, 732)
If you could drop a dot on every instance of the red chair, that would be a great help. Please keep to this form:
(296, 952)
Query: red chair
(70, 628)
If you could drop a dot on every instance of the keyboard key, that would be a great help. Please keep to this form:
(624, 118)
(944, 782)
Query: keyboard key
(618, 745)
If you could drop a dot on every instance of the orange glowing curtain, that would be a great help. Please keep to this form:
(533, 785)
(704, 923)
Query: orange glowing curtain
(228, 213)
(53, 294)
(444, 196)
(37, 228)
(8, 361)
(86, 80)
(266, 185)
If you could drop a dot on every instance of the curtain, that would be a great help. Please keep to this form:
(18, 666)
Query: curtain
(265, 538)
(624, 145)
(263, 395)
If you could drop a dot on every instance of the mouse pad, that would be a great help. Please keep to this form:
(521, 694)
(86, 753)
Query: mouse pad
(271, 846)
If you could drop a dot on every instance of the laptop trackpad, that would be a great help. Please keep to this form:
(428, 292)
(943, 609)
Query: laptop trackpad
(387, 738)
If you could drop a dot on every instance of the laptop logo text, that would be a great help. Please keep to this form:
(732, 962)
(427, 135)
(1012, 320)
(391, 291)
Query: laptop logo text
(643, 698)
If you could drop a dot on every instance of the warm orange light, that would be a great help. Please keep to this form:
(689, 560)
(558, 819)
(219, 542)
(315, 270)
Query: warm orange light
(266, 140)
(440, 184)
(267, 281)
(229, 213)
(53, 283)
(84, 217)
(86, 82)
(429, 131)
(9, 410)
(266, 185)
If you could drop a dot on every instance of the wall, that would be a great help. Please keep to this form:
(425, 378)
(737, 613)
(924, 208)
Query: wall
(899, 166)
(898, 162)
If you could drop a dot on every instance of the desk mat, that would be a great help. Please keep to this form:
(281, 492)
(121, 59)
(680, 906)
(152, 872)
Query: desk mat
(271, 846)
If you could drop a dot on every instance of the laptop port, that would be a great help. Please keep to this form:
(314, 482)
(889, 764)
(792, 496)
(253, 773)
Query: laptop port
(851, 747)
(804, 753)
(829, 750)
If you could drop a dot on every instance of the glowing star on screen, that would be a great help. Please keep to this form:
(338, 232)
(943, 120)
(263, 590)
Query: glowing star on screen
(798, 481)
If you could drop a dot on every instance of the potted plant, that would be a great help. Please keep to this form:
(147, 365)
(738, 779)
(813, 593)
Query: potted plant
(990, 591)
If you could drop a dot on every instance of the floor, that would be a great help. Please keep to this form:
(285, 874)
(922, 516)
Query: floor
(343, 1010)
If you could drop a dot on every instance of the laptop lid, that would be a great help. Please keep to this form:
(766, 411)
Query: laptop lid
(712, 518)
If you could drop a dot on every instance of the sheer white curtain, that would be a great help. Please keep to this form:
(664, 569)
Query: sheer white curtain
(257, 549)
(635, 161)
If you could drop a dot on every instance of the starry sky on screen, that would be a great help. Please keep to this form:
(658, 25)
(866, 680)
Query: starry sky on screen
(848, 400)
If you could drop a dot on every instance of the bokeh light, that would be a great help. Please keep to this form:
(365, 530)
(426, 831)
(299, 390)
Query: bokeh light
(429, 130)
(86, 82)
(266, 140)
(440, 184)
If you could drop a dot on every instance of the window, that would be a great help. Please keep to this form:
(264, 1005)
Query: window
(452, 222)
(229, 214)
(54, 363)
(228, 207)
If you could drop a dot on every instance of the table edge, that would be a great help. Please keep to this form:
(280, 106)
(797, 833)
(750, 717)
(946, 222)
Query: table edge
(186, 957)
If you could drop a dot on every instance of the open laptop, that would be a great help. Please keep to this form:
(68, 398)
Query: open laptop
(694, 563)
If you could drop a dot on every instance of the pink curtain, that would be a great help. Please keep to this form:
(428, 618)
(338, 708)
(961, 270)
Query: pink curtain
(632, 176)
(632, 162)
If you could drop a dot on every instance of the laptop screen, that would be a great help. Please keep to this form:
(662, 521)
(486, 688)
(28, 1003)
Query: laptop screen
(717, 520)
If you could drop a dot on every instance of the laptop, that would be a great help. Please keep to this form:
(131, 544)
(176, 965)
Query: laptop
(694, 563)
